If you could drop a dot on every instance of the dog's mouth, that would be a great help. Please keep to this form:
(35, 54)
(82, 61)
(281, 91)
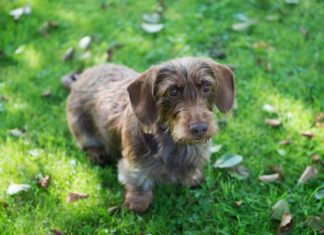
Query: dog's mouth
(193, 141)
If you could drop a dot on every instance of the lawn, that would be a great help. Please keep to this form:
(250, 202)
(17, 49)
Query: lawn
(277, 53)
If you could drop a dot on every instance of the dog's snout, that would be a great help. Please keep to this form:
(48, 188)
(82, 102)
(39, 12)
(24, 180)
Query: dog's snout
(198, 129)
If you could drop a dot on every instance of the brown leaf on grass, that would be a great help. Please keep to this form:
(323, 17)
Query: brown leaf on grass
(3, 98)
(111, 50)
(43, 182)
(152, 28)
(269, 178)
(240, 172)
(16, 188)
(278, 169)
(280, 208)
(243, 25)
(85, 42)
(46, 93)
(68, 55)
(73, 197)
(47, 27)
(316, 158)
(320, 120)
(285, 142)
(3, 204)
(273, 122)
(238, 203)
(260, 45)
(285, 224)
(308, 134)
(16, 133)
(18, 12)
(316, 223)
(308, 173)
(268, 108)
(304, 31)
(57, 232)
(113, 209)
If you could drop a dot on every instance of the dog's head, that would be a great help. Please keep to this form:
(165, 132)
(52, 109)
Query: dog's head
(180, 95)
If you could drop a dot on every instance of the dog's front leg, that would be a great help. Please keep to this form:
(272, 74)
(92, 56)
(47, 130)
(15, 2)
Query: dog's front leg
(138, 186)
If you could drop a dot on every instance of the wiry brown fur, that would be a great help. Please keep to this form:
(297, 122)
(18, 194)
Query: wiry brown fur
(113, 110)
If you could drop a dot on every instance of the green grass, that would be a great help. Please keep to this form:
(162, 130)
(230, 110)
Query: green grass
(294, 86)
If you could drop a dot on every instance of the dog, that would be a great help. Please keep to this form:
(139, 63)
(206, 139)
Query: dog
(157, 123)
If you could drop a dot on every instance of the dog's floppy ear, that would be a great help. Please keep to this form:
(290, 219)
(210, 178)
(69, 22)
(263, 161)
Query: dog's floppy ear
(225, 86)
(141, 97)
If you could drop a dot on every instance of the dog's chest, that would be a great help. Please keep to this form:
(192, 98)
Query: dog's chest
(178, 161)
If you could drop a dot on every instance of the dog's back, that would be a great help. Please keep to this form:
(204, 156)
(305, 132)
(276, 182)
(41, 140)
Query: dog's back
(100, 92)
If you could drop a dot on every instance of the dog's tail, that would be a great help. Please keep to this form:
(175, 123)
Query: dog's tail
(70, 78)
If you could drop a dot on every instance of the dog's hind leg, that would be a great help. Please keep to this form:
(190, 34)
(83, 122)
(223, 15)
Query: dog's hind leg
(81, 126)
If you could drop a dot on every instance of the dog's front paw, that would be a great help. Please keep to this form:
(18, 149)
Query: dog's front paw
(196, 179)
(138, 201)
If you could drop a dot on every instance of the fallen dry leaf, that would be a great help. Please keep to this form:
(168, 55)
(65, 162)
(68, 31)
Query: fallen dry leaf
(268, 108)
(47, 27)
(18, 12)
(152, 28)
(316, 158)
(43, 182)
(281, 152)
(113, 209)
(272, 17)
(316, 223)
(68, 55)
(3, 204)
(240, 172)
(285, 224)
(57, 232)
(308, 134)
(85, 55)
(16, 133)
(269, 178)
(304, 31)
(85, 42)
(285, 142)
(73, 197)
(152, 18)
(46, 93)
(319, 194)
(320, 120)
(33, 152)
(111, 50)
(214, 148)
(16, 188)
(308, 173)
(228, 161)
(273, 122)
(277, 169)
(238, 203)
(260, 45)
(243, 25)
(280, 208)
(3, 98)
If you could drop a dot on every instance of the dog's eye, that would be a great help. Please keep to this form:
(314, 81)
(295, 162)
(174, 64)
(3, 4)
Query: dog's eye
(206, 87)
(173, 91)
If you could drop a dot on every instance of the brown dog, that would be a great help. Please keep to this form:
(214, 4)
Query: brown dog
(159, 121)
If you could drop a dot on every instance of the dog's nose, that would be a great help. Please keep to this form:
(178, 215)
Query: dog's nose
(198, 129)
